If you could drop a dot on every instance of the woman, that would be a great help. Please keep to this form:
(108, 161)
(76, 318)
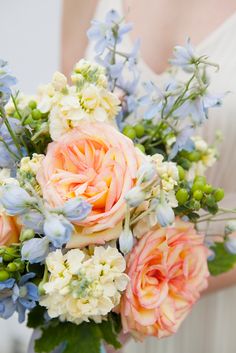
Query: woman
(161, 24)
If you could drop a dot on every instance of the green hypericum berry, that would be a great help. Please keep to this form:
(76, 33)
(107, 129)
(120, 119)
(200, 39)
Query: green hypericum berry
(4, 275)
(219, 194)
(140, 147)
(139, 129)
(194, 156)
(12, 267)
(208, 189)
(32, 105)
(197, 186)
(210, 201)
(181, 172)
(200, 179)
(198, 195)
(36, 114)
(129, 132)
(197, 205)
(182, 196)
(8, 258)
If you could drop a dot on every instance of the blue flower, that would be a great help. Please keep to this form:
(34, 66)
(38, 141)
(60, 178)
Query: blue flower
(7, 160)
(153, 99)
(76, 209)
(6, 81)
(164, 213)
(33, 220)
(108, 32)
(198, 107)
(15, 200)
(18, 297)
(57, 229)
(183, 142)
(184, 57)
(35, 250)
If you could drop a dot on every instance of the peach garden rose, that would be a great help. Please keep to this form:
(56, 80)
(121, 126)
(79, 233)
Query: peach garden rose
(98, 163)
(167, 270)
(9, 230)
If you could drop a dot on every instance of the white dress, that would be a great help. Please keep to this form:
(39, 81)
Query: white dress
(210, 327)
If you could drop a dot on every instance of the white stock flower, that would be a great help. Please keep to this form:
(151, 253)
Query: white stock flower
(83, 287)
(33, 164)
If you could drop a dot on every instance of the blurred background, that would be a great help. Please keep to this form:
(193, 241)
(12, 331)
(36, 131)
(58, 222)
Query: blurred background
(30, 42)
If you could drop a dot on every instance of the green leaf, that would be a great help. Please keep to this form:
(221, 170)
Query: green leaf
(82, 338)
(110, 330)
(36, 317)
(223, 261)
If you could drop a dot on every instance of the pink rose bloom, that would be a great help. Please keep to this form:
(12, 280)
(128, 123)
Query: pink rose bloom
(98, 163)
(167, 270)
(9, 230)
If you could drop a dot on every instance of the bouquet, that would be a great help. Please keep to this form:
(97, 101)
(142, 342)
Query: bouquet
(103, 192)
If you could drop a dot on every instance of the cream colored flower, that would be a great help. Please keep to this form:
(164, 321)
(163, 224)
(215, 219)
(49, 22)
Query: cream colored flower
(59, 81)
(83, 286)
(31, 165)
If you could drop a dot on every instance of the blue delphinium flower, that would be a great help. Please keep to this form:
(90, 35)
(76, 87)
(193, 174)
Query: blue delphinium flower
(76, 209)
(18, 297)
(153, 99)
(57, 229)
(15, 199)
(33, 220)
(103, 32)
(198, 107)
(184, 57)
(6, 81)
(164, 213)
(35, 250)
(183, 142)
(8, 150)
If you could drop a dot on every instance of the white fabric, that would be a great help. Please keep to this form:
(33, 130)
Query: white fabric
(210, 327)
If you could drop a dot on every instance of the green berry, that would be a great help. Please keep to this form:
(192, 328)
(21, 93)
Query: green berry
(36, 114)
(185, 163)
(8, 257)
(219, 194)
(210, 201)
(181, 172)
(197, 205)
(194, 156)
(139, 129)
(200, 179)
(12, 267)
(28, 120)
(140, 147)
(198, 195)
(208, 189)
(182, 196)
(197, 186)
(32, 105)
(129, 132)
(4, 275)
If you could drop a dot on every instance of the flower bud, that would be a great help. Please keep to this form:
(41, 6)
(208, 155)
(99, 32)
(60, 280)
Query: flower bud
(146, 172)
(135, 196)
(26, 234)
(165, 214)
(76, 209)
(35, 250)
(230, 227)
(15, 200)
(57, 229)
(126, 241)
(59, 81)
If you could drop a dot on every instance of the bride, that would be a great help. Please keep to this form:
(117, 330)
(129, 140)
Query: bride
(161, 24)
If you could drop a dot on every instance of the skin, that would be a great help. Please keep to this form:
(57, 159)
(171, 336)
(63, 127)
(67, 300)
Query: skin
(160, 24)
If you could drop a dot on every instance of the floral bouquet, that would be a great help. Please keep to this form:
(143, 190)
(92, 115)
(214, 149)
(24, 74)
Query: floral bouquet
(102, 196)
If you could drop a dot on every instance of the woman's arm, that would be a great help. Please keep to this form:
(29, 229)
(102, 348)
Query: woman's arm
(223, 281)
(76, 18)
